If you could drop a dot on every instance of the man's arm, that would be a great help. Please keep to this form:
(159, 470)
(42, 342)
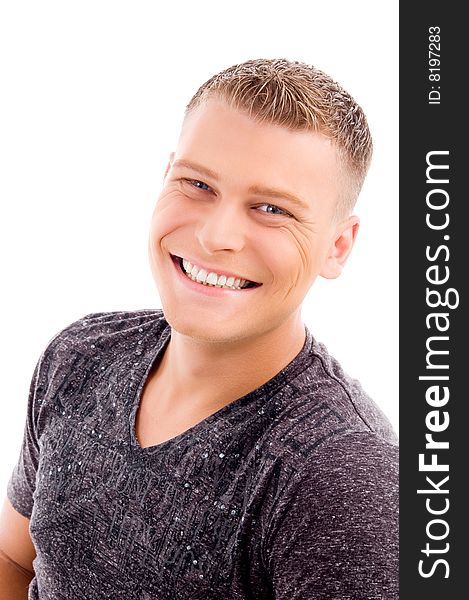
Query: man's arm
(17, 553)
(336, 532)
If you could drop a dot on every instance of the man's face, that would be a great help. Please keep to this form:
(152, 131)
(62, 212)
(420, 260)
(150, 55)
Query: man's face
(242, 201)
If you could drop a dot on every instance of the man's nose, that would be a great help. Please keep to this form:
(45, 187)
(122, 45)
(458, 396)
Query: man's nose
(222, 227)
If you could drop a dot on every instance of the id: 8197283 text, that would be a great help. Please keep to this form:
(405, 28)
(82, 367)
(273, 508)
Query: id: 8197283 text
(434, 61)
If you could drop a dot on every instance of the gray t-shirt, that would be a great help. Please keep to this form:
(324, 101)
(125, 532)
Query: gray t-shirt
(289, 492)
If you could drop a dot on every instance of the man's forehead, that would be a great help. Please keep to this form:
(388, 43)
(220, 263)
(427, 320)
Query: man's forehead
(224, 127)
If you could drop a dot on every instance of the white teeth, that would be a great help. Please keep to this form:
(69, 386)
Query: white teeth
(187, 265)
(212, 278)
(201, 276)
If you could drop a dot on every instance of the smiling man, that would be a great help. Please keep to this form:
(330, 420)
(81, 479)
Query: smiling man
(214, 449)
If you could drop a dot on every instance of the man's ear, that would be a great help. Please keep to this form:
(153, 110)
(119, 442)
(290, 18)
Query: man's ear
(340, 248)
(168, 166)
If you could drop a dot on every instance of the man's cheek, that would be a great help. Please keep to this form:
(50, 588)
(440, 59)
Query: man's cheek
(164, 223)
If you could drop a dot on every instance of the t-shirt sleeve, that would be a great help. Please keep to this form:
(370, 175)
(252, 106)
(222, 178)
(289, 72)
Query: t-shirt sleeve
(335, 537)
(21, 486)
(22, 482)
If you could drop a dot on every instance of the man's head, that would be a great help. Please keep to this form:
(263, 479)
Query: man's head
(250, 200)
(298, 97)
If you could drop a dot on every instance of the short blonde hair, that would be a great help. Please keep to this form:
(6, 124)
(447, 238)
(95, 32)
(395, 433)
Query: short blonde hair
(299, 97)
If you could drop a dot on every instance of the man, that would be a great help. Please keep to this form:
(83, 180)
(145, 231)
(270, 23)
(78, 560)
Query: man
(215, 449)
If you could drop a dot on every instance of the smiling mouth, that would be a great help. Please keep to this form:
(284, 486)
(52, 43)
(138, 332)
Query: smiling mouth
(211, 278)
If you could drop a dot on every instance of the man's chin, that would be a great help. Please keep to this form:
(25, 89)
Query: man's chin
(225, 332)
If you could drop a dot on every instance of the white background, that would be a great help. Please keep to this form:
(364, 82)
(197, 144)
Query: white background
(91, 102)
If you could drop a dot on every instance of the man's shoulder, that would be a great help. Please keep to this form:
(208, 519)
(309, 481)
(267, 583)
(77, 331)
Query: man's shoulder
(96, 344)
(347, 398)
(321, 405)
(97, 334)
(116, 321)
(106, 327)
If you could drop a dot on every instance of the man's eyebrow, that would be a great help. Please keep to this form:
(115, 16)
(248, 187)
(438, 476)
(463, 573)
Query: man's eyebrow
(267, 192)
(196, 167)
(280, 194)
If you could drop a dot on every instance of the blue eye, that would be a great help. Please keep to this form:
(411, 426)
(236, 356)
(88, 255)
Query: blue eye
(271, 209)
(198, 184)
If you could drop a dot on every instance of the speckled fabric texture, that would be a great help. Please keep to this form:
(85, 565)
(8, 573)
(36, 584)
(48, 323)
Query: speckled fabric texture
(289, 492)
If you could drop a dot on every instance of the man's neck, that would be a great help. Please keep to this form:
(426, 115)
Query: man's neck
(201, 376)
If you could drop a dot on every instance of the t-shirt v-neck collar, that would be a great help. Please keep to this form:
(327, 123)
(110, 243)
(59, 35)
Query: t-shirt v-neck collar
(153, 353)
